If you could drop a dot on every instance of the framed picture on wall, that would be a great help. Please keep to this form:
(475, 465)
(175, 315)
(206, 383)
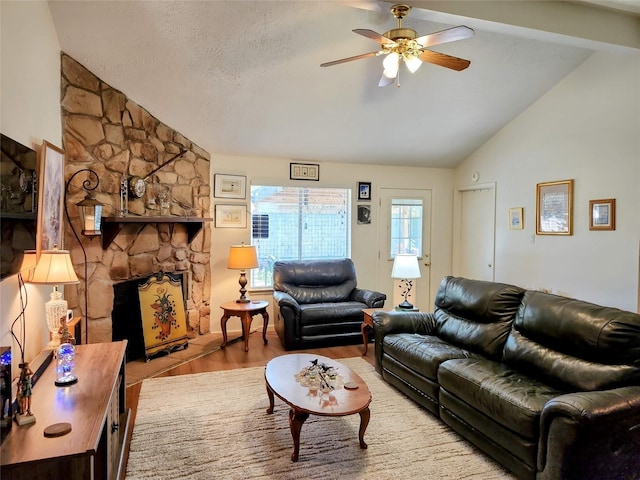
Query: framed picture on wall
(50, 198)
(554, 208)
(602, 214)
(231, 216)
(364, 190)
(304, 171)
(516, 218)
(229, 186)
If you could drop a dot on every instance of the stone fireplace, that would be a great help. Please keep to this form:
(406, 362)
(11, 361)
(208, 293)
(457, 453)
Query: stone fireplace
(109, 133)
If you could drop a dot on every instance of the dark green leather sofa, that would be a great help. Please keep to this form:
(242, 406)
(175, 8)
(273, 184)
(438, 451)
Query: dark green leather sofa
(546, 385)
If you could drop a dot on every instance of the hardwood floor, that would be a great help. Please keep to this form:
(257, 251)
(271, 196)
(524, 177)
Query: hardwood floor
(234, 356)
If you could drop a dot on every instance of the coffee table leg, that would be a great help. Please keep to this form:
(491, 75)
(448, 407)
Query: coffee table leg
(364, 422)
(271, 399)
(296, 419)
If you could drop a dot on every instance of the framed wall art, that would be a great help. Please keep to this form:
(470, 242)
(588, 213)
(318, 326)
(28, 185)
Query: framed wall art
(231, 216)
(364, 190)
(516, 218)
(164, 319)
(602, 214)
(50, 198)
(304, 171)
(364, 214)
(554, 208)
(229, 186)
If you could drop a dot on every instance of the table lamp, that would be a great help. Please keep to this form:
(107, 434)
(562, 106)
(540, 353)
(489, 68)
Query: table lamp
(242, 257)
(405, 268)
(54, 268)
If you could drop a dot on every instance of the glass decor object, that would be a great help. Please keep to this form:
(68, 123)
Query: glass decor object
(65, 365)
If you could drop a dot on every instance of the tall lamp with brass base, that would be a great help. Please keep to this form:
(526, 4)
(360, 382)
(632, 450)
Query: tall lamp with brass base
(242, 257)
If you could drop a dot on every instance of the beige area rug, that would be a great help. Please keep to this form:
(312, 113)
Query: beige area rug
(215, 426)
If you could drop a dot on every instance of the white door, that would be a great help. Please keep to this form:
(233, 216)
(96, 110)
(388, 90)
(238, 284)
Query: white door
(474, 233)
(405, 227)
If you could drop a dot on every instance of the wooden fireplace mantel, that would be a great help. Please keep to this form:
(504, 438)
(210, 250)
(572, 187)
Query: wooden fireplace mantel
(111, 226)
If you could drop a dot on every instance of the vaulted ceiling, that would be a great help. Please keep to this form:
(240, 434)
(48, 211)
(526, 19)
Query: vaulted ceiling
(244, 77)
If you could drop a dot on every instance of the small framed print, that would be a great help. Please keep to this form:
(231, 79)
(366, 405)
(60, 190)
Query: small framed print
(304, 171)
(602, 214)
(364, 190)
(231, 216)
(516, 218)
(230, 186)
(364, 214)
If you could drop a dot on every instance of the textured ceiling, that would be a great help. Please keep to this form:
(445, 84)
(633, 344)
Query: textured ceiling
(244, 78)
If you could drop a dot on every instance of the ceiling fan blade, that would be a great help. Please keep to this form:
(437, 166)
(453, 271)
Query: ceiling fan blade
(375, 36)
(386, 81)
(454, 63)
(349, 59)
(445, 36)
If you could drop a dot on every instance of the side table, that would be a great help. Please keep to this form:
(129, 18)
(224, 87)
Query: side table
(368, 323)
(245, 311)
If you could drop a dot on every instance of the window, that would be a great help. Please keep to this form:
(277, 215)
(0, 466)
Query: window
(406, 226)
(294, 223)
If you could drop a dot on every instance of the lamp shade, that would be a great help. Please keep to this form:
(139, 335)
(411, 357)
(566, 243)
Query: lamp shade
(54, 267)
(405, 266)
(242, 257)
(29, 261)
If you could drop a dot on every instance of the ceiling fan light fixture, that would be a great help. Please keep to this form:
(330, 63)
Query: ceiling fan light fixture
(412, 63)
(390, 64)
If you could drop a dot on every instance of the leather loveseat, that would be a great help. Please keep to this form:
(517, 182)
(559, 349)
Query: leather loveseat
(546, 385)
(317, 302)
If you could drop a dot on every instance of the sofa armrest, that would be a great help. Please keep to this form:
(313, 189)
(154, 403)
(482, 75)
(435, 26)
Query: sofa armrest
(283, 299)
(369, 297)
(590, 435)
(385, 323)
(287, 316)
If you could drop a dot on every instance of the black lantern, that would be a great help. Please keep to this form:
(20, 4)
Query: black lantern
(90, 212)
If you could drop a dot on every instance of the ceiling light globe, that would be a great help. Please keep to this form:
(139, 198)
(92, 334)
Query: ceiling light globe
(412, 63)
(390, 64)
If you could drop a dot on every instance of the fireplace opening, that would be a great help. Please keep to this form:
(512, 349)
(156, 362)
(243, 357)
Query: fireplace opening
(126, 318)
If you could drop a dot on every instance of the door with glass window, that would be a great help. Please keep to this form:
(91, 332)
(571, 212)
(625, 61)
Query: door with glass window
(404, 227)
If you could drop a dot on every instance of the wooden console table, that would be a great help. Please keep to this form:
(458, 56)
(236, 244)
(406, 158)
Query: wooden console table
(95, 408)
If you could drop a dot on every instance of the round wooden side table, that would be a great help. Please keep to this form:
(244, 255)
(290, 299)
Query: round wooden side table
(245, 311)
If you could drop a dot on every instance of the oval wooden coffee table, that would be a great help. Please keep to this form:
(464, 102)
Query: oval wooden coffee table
(280, 377)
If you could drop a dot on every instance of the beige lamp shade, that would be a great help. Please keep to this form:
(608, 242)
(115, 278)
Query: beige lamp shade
(405, 266)
(29, 260)
(242, 257)
(54, 268)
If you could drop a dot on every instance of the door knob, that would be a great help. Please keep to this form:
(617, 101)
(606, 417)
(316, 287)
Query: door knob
(427, 264)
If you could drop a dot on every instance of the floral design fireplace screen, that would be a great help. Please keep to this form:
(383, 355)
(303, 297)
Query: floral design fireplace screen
(164, 323)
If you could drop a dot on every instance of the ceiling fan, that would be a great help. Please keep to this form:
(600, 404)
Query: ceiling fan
(404, 44)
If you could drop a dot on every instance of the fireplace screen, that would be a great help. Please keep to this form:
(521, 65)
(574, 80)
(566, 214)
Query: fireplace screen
(164, 323)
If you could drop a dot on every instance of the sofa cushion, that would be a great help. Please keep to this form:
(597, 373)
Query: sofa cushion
(574, 344)
(315, 281)
(422, 353)
(339, 312)
(508, 397)
(476, 315)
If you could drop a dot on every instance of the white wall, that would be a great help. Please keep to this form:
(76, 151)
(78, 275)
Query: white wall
(587, 128)
(29, 113)
(364, 251)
